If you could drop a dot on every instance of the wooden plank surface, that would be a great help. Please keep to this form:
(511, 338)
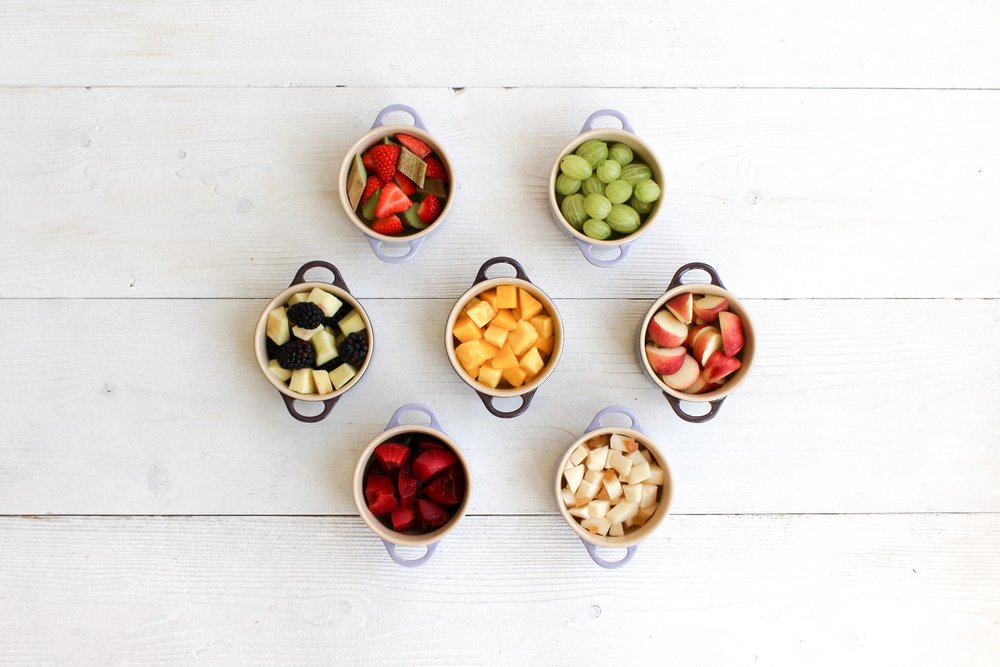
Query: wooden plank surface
(512, 43)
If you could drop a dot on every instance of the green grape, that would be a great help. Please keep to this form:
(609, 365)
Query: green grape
(620, 153)
(635, 172)
(576, 167)
(592, 186)
(623, 219)
(608, 171)
(618, 192)
(567, 185)
(596, 229)
(640, 206)
(594, 152)
(647, 191)
(572, 210)
(597, 206)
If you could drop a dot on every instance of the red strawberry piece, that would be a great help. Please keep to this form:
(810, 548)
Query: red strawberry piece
(390, 225)
(379, 494)
(403, 518)
(405, 184)
(408, 486)
(429, 444)
(384, 158)
(448, 487)
(366, 160)
(429, 209)
(391, 455)
(430, 514)
(431, 462)
(414, 145)
(392, 200)
(434, 168)
(371, 187)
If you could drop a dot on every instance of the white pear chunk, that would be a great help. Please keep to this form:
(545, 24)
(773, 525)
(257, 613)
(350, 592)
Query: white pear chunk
(642, 516)
(327, 302)
(640, 473)
(648, 496)
(342, 374)
(322, 381)
(598, 508)
(579, 454)
(636, 457)
(306, 334)
(622, 512)
(656, 475)
(352, 322)
(619, 462)
(587, 490)
(297, 298)
(569, 500)
(277, 326)
(302, 381)
(325, 346)
(612, 485)
(596, 458)
(616, 530)
(594, 476)
(282, 374)
(597, 526)
(579, 512)
(633, 492)
(646, 455)
(573, 477)
(623, 443)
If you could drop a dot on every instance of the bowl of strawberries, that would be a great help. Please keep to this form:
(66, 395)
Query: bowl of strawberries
(396, 185)
(412, 485)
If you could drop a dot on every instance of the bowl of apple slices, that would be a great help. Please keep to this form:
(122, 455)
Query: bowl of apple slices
(613, 486)
(313, 342)
(697, 343)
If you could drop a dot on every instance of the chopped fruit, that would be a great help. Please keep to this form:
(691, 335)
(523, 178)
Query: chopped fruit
(392, 455)
(685, 377)
(640, 473)
(597, 458)
(505, 358)
(528, 304)
(432, 461)
(405, 184)
(648, 495)
(707, 342)
(366, 161)
(506, 296)
(356, 181)
(719, 366)
(504, 318)
(297, 298)
(494, 335)
(384, 158)
(435, 169)
(665, 360)
(465, 330)
(321, 380)
(371, 187)
(306, 334)
(515, 376)
(616, 530)
(709, 307)
(430, 514)
(325, 346)
(447, 488)
(623, 443)
(435, 186)
(474, 353)
(682, 307)
(545, 345)
(282, 374)
(327, 302)
(480, 312)
(408, 486)
(623, 511)
(666, 330)
(368, 208)
(632, 492)
(302, 381)
(414, 145)
(412, 167)
(619, 462)
(490, 297)
(353, 349)
(380, 494)
(574, 476)
(429, 209)
(532, 361)
(569, 500)
(391, 200)
(597, 526)
(277, 326)
(732, 333)
(596, 509)
(489, 376)
(296, 354)
(522, 338)
(411, 218)
(342, 374)
(543, 325)
(403, 518)
(578, 455)
(612, 485)
(388, 226)
(693, 333)
(351, 322)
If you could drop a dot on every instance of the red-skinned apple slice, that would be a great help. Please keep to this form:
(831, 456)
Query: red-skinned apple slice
(685, 377)
(732, 333)
(692, 334)
(709, 307)
(665, 360)
(682, 307)
(719, 366)
(666, 330)
(701, 386)
(707, 342)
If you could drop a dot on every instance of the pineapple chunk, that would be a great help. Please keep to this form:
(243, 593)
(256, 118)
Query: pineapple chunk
(325, 346)
(613, 485)
(505, 320)
(579, 454)
(621, 463)
(616, 530)
(573, 477)
(321, 379)
(306, 334)
(543, 325)
(515, 376)
(480, 312)
(522, 338)
(531, 361)
(495, 335)
(302, 381)
(282, 374)
(597, 526)
(474, 353)
(277, 326)
(640, 473)
(596, 459)
(352, 322)
(633, 492)
(527, 304)
(327, 302)
(506, 296)
(622, 512)
(490, 297)
(598, 508)
(297, 298)
(505, 358)
(465, 329)
(342, 374)
(648, 495)
(489, 375)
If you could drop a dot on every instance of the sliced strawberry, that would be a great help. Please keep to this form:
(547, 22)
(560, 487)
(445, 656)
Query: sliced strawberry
(434, 168)
(392, 200)
(379, 494)
(429, 444)
(430, 514)
(366, 160)
(414, 145)
(405, 184)
(384, 158)
(429, 209)
(391, 455)
(390, 225)
(431, 462)
(408, 486)
(448, 487)
(371, 187)
(403, 518)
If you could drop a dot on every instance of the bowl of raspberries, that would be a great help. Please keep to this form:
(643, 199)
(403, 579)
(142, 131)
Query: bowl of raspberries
(313, 342)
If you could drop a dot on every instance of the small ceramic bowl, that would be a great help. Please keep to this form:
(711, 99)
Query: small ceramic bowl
(369, 139)
(339, 289)
(746, 355)
(391, 538)
(526, 391)
(631, 539)
(643, 153)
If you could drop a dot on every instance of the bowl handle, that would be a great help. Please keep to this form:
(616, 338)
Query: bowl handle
(610, 564)
(417, 120)
(396, 419)
(615, 410)
(714, 277)
(588, 124)
(587, 249)
(399, 560)
(675, 403)
(518, 269)
(338, 280)
(496, 412)
(376, 245)
(327, 407)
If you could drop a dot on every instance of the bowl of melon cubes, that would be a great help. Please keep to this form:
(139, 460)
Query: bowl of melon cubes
(313, 342)
(504, 337)
(613, 486)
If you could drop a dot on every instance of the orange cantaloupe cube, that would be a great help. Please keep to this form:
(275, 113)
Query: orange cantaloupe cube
(480, 312)
(505, 320)
(472, 354)
(515, 376)
(531, 361)
(490, 297)
(505, 358)
(495, 335)
(543, 325)
(522, 338)
(465, 329)
(506, 296)
(545, 345)
(489, 376)
(527, 304)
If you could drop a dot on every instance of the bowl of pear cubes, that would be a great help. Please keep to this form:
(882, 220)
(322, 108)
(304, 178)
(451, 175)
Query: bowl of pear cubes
(313, 342)
(613, 486)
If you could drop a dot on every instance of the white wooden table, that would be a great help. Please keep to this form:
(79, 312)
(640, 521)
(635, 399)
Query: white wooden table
(165, 168)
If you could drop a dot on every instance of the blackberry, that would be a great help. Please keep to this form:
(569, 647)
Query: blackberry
(306, 315)
(296, 354)
(272, 348)
(354, 349)
(332, 364)
(339, 315)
